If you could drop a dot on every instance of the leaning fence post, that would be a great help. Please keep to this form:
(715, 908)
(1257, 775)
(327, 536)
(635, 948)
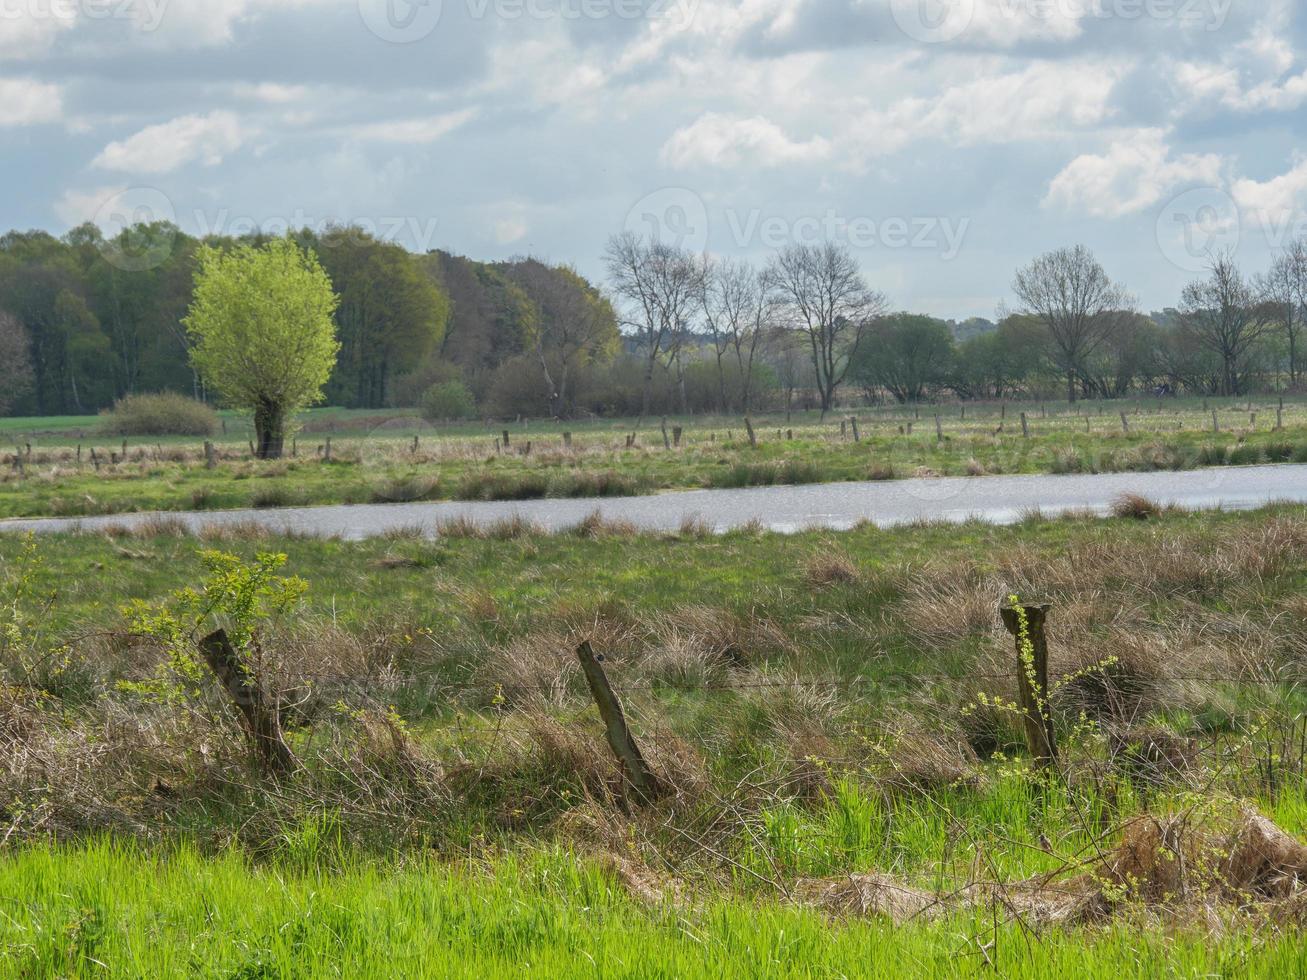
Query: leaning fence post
(261, 720)
(1032, 679)
(753, 439)
(644, 783)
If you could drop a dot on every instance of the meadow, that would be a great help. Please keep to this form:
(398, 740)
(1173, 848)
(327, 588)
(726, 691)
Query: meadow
(844, 787)
(63, 467)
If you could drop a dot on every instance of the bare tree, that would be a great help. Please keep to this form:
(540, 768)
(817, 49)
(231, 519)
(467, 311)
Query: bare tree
(1068, 291)
(1283, 293)
(737, 307)
(1221, 312)
(819, 289)
(660, 285)
(15, 362)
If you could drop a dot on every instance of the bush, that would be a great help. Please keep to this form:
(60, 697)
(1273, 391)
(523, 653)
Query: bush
(164, 414)
(448, 400)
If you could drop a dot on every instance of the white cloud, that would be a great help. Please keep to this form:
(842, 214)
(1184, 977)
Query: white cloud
(1134, 174)
(417, 131)
(1255, 75)
(1276, 200)
(509, 230)
(1042, 102)
(716, 140)
(165, 147)
(77, 207)
(25, 101)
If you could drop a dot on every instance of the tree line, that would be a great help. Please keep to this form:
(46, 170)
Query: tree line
(85, 321)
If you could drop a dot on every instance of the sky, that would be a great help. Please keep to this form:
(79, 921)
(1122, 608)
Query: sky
(946, 142)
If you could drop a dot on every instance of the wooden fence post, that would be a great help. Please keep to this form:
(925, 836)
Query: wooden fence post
(939, 429)
(1032, 681)
(753, 439)
(644, 783)
(1125, 423)
(1216, 426)
(507, 439)
(667, 440)
(1025, 427)
(857, 436)
(677, 432)
(210, 458)
(262, 723)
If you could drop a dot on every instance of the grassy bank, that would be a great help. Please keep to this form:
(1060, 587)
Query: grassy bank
(374, 459)
(112, 912)
(843, 790)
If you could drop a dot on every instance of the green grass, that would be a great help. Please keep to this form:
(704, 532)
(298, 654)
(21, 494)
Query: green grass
(373, 460)
(804, 694)
(109, 911)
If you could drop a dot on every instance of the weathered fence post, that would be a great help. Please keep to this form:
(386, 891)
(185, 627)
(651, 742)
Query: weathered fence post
(416, 443)
(1032, 679)
(667, 440)
(857, 436)
(210, 458)
(1125, 423)
(939, 429)
(262, 722)
(644, 783)
(1216, 426)
(507, 439)
(753, 439)
(677, 432)
(1025, 427)
(326, 450)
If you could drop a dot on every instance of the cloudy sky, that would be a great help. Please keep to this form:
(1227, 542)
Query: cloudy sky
(946, 141)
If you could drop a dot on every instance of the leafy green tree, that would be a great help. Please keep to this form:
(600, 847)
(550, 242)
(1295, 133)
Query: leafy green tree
(391, 316)
(572, 325)
(262, 332)
(907, 354)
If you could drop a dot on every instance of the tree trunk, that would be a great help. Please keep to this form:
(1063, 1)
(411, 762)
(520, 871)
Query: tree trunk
(1071, 387)
(270, 430)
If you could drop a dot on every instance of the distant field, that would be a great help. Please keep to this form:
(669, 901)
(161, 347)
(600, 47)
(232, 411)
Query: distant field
(820, 706)
(374, 458)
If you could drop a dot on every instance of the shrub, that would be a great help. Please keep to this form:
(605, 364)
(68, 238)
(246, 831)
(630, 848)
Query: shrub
(164, 414)
(448, 400)
(1135, 506)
